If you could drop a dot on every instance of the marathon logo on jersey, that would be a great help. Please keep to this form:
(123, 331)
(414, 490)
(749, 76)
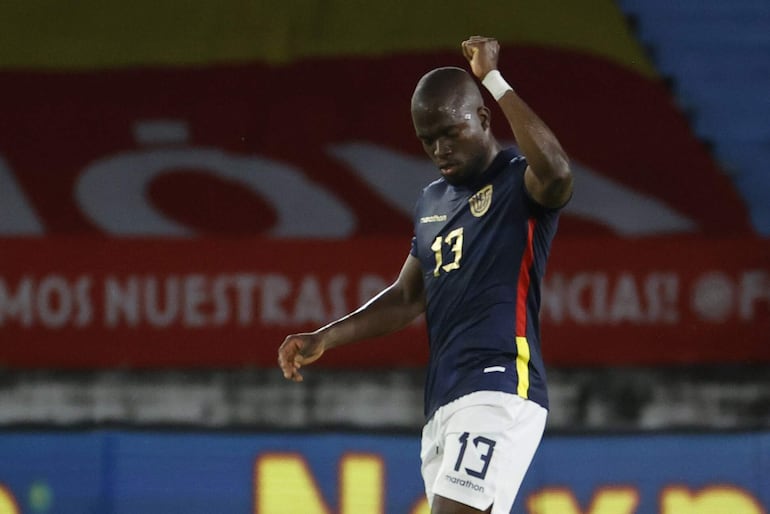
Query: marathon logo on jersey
(436, 218)
(481, 201)
(462, 482)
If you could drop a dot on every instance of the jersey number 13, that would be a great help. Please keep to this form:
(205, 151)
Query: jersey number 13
(454, 240)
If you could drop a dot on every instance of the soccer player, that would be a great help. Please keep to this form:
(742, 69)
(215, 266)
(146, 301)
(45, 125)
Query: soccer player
(482, 234)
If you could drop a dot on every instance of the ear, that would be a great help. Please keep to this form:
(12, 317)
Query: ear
(485, 117)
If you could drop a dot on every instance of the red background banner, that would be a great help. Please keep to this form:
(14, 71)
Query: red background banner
(149, 303)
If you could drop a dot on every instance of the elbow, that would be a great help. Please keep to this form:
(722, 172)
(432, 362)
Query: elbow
(559, 188)
(561, 170)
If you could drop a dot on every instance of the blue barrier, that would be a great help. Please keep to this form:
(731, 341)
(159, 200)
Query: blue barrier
(116, 472)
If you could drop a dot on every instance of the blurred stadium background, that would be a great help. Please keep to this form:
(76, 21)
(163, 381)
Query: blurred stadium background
(183, 184)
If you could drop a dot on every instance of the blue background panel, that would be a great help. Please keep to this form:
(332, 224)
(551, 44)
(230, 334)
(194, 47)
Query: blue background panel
(115, 472)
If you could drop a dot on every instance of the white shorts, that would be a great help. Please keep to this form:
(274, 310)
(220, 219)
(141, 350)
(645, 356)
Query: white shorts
(476, 449)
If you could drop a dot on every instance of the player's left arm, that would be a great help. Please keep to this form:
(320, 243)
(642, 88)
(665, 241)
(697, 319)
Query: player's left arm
(548, 177)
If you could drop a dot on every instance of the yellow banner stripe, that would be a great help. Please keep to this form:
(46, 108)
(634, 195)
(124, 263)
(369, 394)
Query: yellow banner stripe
(522, 366)
(94, 34)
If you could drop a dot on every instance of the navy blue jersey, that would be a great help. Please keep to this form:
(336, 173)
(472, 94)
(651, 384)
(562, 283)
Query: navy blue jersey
(482, 248)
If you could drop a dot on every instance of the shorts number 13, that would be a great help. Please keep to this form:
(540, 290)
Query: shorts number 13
(485, 447)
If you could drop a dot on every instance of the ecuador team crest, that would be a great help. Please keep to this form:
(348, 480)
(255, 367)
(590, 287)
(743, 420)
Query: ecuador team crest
(481, 201)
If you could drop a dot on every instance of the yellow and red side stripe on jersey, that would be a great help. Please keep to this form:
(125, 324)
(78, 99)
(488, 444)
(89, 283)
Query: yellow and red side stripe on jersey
(522, 345)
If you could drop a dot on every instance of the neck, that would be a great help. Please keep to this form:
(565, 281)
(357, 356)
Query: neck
(494, 149)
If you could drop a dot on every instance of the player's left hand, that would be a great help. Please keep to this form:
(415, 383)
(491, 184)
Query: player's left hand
(482, 54)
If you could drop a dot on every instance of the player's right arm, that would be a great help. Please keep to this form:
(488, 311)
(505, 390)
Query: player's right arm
(392, 309)
(548, 177)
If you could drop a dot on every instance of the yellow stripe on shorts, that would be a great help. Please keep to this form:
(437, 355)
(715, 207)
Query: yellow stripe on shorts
(522, 366)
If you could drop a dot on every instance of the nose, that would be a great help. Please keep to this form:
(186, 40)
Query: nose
(441, 147)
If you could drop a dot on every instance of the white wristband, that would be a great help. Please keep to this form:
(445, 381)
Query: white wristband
(496, 84)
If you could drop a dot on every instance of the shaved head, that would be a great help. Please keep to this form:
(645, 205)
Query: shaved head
(448, 88)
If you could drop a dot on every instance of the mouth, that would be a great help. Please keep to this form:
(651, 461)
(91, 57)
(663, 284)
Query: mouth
(448, 168)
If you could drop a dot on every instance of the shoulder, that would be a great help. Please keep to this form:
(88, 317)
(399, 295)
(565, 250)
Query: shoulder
(508, 167)
(515, 169)
(433, 190)
(438, 185)
(517, 164)
(510, 158)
